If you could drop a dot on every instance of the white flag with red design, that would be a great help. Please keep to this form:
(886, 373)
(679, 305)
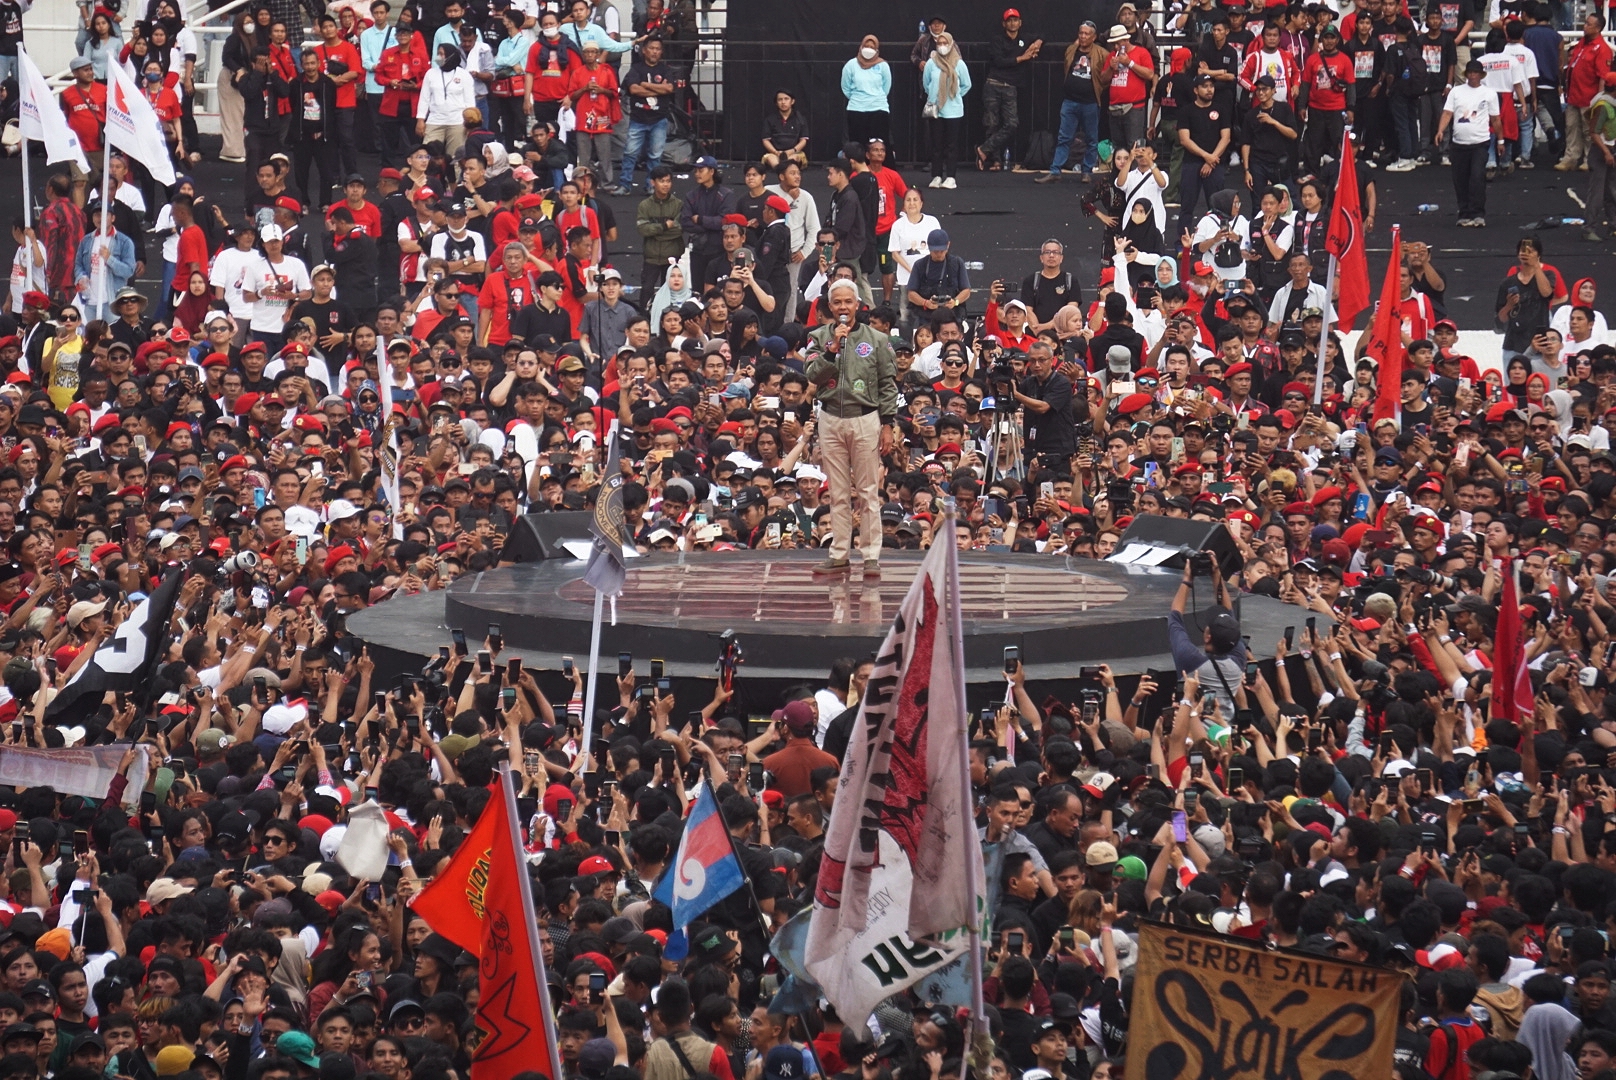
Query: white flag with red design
(133, 127)
(41, 117)
(901, 879)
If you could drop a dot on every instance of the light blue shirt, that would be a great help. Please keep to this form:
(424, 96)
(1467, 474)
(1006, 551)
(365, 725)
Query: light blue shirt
(954, 107)
(513, 52)
(448, 34)
(372, 43)
(866, 89)
(592, 33)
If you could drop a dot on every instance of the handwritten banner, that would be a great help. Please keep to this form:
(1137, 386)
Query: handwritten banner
(1211, 1008)
(86, 771)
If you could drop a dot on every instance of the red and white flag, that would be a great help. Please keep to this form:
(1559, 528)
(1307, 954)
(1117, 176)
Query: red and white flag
(41, 116)
(133, 127)
(1512, 680)
(901, 880)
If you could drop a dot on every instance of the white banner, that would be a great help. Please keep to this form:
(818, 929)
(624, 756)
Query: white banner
(41, 117)
(87, 771)
(133, 127)
(901, 881)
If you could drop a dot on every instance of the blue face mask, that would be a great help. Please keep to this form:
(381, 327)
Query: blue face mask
(154, 76)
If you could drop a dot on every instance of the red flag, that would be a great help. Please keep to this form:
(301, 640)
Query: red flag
(1386, 338)
(1512, 682)
(1345, 242)
(482, 901)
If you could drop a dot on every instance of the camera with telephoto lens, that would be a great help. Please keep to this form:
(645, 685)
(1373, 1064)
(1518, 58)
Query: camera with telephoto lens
(1003, 376)
(1421, 575)
(1119, 493)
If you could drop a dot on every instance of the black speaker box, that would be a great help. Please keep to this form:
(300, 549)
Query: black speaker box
(1159, 531)
(536, 537)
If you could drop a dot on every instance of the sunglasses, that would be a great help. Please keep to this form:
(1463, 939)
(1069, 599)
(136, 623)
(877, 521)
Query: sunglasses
(70, 318)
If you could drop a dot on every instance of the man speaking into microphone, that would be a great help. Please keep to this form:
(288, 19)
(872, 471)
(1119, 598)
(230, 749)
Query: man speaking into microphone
(856, 384)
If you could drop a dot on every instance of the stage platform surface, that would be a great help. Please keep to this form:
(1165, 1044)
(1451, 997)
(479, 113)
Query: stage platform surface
(792, 624)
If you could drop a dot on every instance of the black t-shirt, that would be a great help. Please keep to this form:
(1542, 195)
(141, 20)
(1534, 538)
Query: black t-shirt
(651, 107)
(1268, 144)
(529, 321)
(1055, 431)
(1048, 295)
(1438, 297)
(1079, 85)
(1216, 59)
(1440, 55)
(329, 316)
(1205, 123)
(1367, 60)
(1455, 13)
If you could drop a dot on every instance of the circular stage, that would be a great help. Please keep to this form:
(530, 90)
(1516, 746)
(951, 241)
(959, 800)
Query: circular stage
(1062, 614)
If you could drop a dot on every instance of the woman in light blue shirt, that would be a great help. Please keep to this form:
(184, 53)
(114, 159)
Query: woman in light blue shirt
(946, 80)
(866, 84)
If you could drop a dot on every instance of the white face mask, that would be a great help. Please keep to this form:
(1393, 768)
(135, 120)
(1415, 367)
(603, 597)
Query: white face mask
(867, 53)
(944, 50)
(552, 31)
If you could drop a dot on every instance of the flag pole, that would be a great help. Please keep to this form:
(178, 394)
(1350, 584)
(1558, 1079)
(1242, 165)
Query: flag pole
(98, 267)
(1324, 333)
(525, 883)
(589, 683)
(956, 689)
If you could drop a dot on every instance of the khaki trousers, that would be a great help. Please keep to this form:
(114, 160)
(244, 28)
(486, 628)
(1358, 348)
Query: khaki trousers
(850, 451)
(232, 115)
(1576, 136)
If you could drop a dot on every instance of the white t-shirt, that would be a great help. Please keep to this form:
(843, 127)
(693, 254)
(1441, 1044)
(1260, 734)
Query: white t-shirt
(1207, 229)
(26, 274)
(171, 242)
(909, 240)
(1525, 61)
(1143, 186)
(1504, 73)
(1472, 108)
(269, 312)
(232, 268)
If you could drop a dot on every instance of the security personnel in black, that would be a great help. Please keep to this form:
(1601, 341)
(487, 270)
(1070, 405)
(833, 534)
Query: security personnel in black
(773, 266)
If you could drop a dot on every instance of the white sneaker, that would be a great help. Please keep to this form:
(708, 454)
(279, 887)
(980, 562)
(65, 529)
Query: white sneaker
(950, 184)
(1403, 165)
(233, 160)
(936, 182)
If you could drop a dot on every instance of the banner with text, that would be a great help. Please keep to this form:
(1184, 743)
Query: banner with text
(1212, 1008)
(81, 770)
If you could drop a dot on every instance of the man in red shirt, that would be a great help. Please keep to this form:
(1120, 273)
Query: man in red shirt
(340, 60)
(1130, 72)
(85, 103)
(1587, 72)
(193, 248)
(366, 215)
(506, 290)
(1321, 99)
(892, 188)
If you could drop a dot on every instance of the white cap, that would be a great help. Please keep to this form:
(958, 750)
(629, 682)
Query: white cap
(341, 508)
(271, 232)
(810, 472)
(83, 610)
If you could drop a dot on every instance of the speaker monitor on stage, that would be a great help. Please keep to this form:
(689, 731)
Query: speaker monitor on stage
(1154, 540)
(563, 534)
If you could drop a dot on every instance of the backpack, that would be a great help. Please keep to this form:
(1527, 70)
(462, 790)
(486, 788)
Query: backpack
(1040, 151)
(1414, 77)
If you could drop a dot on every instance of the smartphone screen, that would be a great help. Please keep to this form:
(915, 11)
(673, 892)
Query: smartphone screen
(1180, 826)
(625, 663)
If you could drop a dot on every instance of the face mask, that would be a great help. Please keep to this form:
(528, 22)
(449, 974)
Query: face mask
(552, 31)
(944, 50)
(867, 53)
(154, 76)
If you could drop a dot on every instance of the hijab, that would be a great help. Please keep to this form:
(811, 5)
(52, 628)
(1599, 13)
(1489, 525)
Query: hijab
(1544, 1030)
(1561, 400)
(873, 42)
(668, 298)
(1144, 235)
(1222, 203)
(451, 56)
(947, 70)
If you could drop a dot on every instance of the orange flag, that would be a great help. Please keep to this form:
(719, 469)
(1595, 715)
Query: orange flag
(483, 902)
(1386, 338)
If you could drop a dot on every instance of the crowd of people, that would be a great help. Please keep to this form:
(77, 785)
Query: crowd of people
(350, 388)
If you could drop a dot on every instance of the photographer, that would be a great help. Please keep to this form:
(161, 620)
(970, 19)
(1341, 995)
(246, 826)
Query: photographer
(1046, 395)
(939, 282)
(1221, 666)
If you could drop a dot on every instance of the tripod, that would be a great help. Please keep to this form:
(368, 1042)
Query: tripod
(1006, 433)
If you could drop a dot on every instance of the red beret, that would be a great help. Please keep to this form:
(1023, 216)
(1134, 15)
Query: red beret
(235, 461)
(1431, 523)
(104, 551)
(1298, 508)
(336, 555)
(735, 219)
(9, 339)
(251, 346)
(286, 202)
(1287, 419)
(390, 174)
(175, 428)
(1552, 483)
(217, 359)
(1242, 368)
(35, 299)
(663, 426)
(1294, 388)
(528, 201)
(1324, 495)
(244, 404)
(777, 203)
(309, 422)
(950, 448)
(678, 411)
(110, 420)
(1133, 403)
(1187, 468)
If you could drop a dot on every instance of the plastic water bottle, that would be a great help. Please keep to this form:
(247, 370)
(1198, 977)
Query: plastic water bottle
(1427, 208)
(1572, 221)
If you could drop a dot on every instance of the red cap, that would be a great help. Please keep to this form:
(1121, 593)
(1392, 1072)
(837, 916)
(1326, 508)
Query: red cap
(179, 335)
(67, 557)
(1287, 419)
(390, 174)
(1010, 13)
(595, 864)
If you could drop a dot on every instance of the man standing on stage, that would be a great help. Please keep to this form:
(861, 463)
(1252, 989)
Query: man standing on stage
(856, 379)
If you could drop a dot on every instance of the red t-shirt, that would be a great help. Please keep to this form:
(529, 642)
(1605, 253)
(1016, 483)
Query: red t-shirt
(501, 294)
(193, 249)
(348, 92)
(367, 217)
(86, 113)
(1126, 85)
(1327, 79)
(893, 188)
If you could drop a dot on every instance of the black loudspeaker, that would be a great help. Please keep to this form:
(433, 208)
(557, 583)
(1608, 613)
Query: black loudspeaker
(1176, 534)
(536, 537)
